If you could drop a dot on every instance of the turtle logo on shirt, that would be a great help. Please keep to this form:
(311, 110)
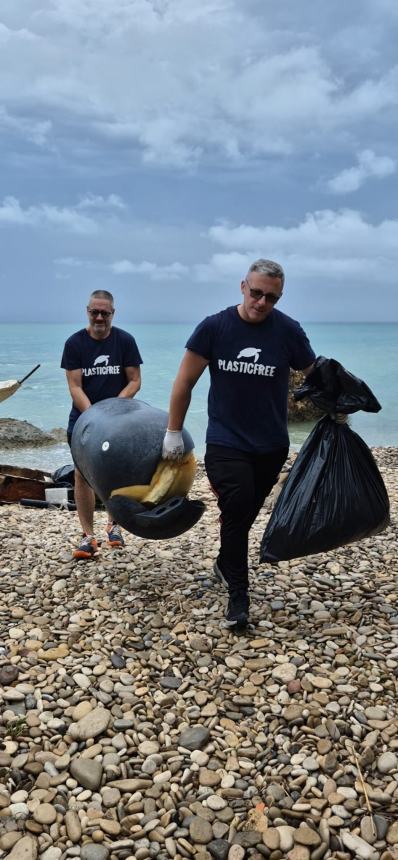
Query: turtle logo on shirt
(102, 359)
(250, 352)
(242, 363)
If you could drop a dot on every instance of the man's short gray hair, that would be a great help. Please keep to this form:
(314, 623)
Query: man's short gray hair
(102, 294)
(268, 267)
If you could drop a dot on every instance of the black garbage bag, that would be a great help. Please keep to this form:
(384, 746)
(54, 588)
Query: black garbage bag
(64, 476)
(334, 389)
(334, 495)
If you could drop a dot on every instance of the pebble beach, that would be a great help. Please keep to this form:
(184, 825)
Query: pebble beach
(134, 725)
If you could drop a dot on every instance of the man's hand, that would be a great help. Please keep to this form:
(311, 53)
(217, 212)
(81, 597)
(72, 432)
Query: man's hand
(173, 445)
(339, 417)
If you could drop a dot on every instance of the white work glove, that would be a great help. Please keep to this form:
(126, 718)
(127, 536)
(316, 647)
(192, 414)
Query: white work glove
(339, 417)
(173, 445)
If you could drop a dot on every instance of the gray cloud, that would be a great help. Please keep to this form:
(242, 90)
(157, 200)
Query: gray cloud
(170, 142)
(196, 96)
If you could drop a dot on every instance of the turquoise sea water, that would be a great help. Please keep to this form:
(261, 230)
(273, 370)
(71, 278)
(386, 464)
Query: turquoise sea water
(367, 350)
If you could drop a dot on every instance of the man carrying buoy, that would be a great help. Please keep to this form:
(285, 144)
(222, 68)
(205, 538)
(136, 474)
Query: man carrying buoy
(100, 361)
(249, 349)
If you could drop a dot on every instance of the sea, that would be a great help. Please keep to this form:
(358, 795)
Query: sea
(368, 350)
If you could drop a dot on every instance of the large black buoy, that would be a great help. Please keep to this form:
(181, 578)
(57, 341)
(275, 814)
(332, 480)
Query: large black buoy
(117, 446)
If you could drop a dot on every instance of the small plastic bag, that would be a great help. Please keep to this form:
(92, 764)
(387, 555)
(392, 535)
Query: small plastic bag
(334, 494)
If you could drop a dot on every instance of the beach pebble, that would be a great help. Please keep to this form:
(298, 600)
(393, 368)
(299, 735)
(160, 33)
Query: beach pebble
(93, 851)
(357, 845)
(200, 831)
(91, 725)
(194, 738)
(73, 825)
(52, 853)
(387, 762)
(87, 773)
(25, 849)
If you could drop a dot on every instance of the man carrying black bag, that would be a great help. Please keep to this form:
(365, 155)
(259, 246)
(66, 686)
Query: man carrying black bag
(249, 350)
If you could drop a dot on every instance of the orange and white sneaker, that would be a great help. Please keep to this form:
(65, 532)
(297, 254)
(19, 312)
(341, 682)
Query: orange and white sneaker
(115, 537)
(88, 548)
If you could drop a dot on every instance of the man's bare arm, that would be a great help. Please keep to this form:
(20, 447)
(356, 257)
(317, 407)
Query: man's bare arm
(80, 399)
(191, 368)
(133, 375)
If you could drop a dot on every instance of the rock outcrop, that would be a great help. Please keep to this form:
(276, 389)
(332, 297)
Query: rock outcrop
(302, 410)
(15, 434)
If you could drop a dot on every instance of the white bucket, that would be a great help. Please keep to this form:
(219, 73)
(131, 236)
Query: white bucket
(57, 495)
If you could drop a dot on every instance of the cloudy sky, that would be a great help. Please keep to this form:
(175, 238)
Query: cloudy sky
(156, 147)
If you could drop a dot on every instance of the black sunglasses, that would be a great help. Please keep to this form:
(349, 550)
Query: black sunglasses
(96, 313)
(258, 295)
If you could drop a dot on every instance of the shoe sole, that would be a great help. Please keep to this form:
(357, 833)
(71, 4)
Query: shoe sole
(79, 554)
(240, 621)
(116, 544)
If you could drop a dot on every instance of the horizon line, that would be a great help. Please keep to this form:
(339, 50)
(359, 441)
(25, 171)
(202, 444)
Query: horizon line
(191, 322)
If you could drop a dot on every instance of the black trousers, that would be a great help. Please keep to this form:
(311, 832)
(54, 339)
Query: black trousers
(241, 482)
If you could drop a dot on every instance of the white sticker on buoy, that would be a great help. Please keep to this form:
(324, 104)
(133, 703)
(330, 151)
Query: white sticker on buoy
(105, 446)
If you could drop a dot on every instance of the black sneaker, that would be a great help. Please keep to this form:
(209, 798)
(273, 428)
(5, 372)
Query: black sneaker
(218, 575)
(237, 613)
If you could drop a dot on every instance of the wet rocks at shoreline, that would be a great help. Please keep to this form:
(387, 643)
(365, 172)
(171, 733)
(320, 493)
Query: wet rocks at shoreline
(133, 725)
(20, 434)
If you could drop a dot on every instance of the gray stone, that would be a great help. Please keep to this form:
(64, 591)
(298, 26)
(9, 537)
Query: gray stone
(382, 826)
(387, 762)
(93, 851)
(248, 838)
(110, 797)
(118, 661)
(200, 643)
(87, 772)
(200, 831)
(19, 810)
(8, 674)
(218, 848)
(170, 682)
(194, 738)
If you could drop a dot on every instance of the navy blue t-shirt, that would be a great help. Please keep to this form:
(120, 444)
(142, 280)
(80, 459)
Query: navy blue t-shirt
(249, 366)
(102, 363)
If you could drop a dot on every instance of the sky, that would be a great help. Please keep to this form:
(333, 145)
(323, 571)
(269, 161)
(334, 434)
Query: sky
(155, 148)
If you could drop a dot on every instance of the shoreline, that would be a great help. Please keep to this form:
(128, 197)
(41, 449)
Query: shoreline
(134, 725)
(51, 457)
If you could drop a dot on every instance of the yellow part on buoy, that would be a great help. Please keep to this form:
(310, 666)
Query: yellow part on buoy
(171, 478)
